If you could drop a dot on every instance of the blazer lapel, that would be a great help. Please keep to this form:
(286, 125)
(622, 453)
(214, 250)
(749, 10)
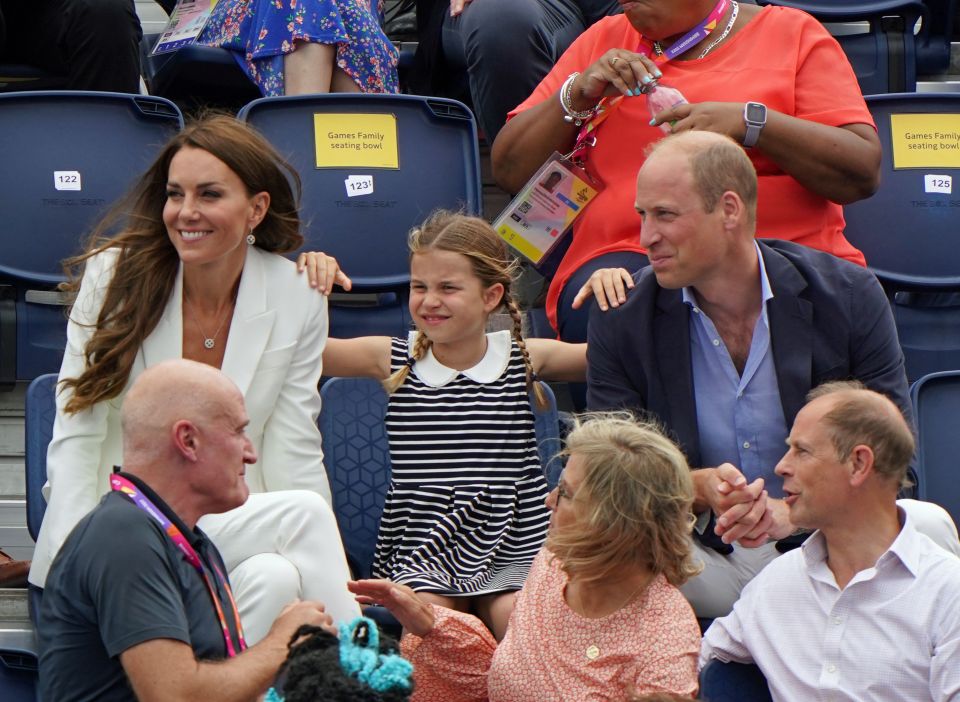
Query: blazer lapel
(672, 339)
(166, 340)
(791, 332)
(251, 325)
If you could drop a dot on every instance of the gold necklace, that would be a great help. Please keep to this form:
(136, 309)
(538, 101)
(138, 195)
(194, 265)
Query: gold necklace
(592, 651)
(209, 342)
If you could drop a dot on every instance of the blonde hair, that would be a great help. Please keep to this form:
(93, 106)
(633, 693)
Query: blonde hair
(635, 499)
(147, 262)
(491, 263)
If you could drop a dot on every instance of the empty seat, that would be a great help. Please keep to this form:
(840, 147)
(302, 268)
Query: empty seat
(936, 406)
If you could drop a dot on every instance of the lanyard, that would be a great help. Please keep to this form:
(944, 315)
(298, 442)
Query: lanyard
(121, 484)
(608, 106)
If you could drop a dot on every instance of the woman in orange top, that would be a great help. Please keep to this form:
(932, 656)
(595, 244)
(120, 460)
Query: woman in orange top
(600, 616)
(817, 149)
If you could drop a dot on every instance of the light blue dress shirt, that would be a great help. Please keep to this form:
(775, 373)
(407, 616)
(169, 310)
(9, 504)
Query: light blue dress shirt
(739, 418)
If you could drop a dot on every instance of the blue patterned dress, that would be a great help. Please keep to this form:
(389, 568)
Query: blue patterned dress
(261, 32)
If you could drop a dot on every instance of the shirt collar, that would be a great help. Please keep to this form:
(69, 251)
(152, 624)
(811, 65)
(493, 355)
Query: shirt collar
(904, 548)
(490, 367)
(194, 536)
(766, 292)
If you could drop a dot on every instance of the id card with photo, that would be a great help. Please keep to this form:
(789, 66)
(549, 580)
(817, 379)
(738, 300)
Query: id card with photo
(187, 20)
(541, 215)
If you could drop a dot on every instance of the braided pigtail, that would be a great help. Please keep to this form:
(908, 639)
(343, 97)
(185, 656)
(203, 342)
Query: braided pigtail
(393, 382)
(533, 382)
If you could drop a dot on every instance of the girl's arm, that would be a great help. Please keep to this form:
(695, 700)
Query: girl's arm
(558, 360)
(363, 357)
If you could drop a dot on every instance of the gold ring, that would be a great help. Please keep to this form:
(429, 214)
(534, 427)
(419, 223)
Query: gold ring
(613, 61)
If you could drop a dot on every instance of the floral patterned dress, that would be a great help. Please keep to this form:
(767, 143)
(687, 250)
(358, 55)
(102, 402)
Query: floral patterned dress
(261, 32)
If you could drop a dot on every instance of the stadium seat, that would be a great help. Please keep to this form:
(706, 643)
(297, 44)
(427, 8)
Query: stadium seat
(15, 77)
(40, 409)
(733, 682)
(933, 43)
(18, 674)
(196, 75)
(357, 458)
(362, 194)
(907, 229)
(66, 157)
(885, 57)
(936, 406)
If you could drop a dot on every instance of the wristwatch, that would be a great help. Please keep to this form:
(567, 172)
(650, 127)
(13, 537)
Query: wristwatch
(755, 116)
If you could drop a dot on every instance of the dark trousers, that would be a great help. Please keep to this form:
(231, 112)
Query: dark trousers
(94, 43)
(507, 46)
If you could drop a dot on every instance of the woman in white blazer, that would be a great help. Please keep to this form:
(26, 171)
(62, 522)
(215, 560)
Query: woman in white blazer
(195, 272)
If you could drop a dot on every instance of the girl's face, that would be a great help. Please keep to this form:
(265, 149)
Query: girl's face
(208, 212)
(448, 302)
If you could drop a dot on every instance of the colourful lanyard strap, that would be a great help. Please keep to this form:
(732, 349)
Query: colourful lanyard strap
(608, 106)
(121, 484)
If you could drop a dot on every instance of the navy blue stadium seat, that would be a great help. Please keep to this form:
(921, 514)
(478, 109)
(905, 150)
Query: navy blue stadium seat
(18, 675)
(933, 44)
(196, 75)
(40, 409)
(438, 165)
(15, 77)
(357, 459)
(885, 57)
(936, 407)
(733, 682)
(908, 233)
(67, 156)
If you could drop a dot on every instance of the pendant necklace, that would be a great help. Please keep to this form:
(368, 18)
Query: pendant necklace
(209, 342)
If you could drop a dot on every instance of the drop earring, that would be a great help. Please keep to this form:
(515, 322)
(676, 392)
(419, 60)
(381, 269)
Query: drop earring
(251, 239)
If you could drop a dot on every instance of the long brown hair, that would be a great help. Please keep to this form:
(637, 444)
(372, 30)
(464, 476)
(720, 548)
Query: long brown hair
(491, 262)
(147, 262)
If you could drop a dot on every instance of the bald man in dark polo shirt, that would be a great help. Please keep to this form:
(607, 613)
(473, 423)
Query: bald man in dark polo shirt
(137, 604)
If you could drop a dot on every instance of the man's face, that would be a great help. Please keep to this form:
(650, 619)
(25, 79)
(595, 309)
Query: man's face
(226, 452)
(684, 243)
(816, 483)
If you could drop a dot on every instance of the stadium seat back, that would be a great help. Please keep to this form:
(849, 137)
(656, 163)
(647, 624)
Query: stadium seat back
(67, 156)
(40, 409)
(907, 229)
(18, 674)
(885, 56)
(733, 682)
(357, 458)
(936, 406)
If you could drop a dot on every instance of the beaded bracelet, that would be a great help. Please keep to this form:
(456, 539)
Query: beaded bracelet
(571, 115)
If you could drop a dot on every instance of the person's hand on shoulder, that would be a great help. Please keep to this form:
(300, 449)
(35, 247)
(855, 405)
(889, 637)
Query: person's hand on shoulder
(608, 285)
(414, 614)
(323, 271)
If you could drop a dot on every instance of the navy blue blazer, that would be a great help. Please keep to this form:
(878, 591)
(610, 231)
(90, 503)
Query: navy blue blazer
(829, 320)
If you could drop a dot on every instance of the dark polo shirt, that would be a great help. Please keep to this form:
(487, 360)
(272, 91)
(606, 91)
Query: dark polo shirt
(118, 581)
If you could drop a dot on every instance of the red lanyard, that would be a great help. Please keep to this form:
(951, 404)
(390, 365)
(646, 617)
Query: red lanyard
(607, 106)
(121, 484)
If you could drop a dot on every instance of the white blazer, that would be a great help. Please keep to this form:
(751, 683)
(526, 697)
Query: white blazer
(273, 354)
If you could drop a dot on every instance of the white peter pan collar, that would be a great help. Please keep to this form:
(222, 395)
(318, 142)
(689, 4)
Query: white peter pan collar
(490, 367)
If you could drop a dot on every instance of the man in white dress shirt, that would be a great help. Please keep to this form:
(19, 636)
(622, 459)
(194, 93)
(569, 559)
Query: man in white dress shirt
(868, 609)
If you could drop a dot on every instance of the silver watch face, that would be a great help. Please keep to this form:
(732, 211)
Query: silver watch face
(756, 113)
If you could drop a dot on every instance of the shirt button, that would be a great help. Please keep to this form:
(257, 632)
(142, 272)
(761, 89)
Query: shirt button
(746, 444)
(831, 668)
(837, 621)
(716, 342)
(696, 310)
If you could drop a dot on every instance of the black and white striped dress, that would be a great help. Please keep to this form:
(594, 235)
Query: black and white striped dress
(465, 512)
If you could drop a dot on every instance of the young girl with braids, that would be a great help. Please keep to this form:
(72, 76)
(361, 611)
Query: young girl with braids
(464, 515)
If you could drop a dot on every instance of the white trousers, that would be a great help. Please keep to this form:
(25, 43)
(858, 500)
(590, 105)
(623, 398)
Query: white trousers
(280, 547)
(713, 592)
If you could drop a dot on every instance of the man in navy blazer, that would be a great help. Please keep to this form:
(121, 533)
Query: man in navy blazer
(720, 340)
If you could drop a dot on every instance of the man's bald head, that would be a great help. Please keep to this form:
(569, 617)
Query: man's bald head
(860, 416)
(165, 394)
(717, 163)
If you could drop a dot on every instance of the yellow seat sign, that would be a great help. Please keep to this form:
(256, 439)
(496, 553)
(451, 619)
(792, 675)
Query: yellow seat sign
(356, 140)
(925, 140)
